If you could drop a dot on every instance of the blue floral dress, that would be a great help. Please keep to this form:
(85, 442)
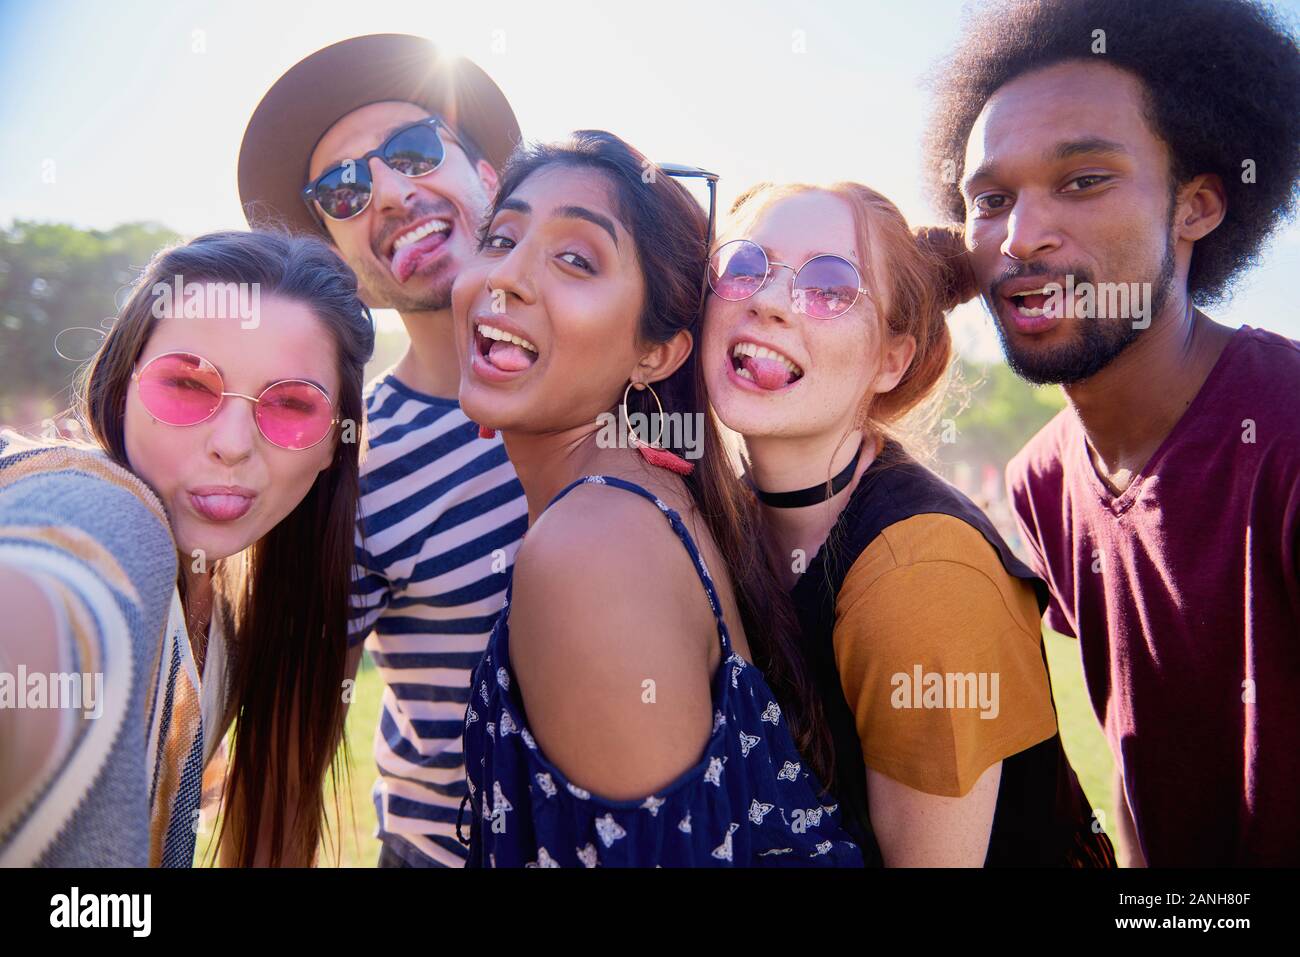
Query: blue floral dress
(748, 801)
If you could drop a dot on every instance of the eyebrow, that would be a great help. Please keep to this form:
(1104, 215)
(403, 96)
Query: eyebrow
(565, 212)
(1091, 144)
(293, 378)
(515, 205)
(340, 160)
(1066, 149)
(290, 378)
(581, 212)
(772, 257)
(263, 387)
(393, 129)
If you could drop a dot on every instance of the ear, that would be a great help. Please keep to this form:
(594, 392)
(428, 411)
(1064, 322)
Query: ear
(488, 177)
(1201, 206)
(664, 358)
(895, 359)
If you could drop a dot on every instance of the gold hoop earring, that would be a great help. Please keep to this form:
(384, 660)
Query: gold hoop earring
(650, 451)
(633, 439)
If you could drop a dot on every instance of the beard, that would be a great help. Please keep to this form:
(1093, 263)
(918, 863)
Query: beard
(426, 294)
(1098, 342)
(433, 299)
(381, 287)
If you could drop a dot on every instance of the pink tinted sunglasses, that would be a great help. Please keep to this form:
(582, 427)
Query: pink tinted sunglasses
(825, 287)
(181, 388)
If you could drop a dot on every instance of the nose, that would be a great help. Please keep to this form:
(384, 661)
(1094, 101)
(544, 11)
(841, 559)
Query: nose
(773, 299)
(1031, 230)
(232, 432)
(391, 192)
(511, 275)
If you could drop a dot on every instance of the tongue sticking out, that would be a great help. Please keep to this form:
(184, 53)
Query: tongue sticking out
(770, 374)
(407, 259)
(509, 357)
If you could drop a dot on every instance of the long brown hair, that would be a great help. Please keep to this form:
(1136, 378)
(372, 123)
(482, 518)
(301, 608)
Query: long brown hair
(285, 601)
(670, 232)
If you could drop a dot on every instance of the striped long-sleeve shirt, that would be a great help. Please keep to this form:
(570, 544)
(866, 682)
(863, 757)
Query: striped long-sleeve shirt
(441, 517)
(120, 788)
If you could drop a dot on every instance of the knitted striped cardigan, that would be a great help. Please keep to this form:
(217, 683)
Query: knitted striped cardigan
(123, 788)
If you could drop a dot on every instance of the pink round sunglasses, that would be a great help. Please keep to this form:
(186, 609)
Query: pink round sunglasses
(181, 389)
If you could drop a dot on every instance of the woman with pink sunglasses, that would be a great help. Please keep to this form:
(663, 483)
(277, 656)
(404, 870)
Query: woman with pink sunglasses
(825, 346)
(189, 570)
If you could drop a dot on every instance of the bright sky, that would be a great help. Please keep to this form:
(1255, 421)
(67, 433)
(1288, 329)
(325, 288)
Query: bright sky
(135, 110)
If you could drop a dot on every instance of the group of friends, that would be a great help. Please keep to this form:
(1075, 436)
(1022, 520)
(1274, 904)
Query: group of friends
(788, 644)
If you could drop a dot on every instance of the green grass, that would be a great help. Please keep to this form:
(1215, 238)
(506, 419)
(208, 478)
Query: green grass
(353, 844)
(359, 846)
(1080, 733)
(1085, 745)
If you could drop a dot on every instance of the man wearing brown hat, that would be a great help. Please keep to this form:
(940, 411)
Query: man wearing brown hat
(391, 151)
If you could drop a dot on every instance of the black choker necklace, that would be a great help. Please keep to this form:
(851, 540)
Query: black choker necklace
(809, 496)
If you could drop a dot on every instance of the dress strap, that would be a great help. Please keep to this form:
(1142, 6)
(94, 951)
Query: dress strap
(678, 526)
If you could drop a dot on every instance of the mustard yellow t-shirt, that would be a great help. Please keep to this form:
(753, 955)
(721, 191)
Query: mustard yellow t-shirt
(939, 653)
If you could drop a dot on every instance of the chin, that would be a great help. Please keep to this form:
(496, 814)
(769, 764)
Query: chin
(480, 406)
(740, 416)
(213, 542)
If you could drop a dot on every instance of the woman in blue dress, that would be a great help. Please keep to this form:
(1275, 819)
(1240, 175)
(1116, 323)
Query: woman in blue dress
(641, 701)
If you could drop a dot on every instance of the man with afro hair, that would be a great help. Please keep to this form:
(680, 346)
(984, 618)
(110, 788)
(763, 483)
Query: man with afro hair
(1118, 166)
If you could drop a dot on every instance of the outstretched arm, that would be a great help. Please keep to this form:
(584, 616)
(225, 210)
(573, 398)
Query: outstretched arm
(30, 639)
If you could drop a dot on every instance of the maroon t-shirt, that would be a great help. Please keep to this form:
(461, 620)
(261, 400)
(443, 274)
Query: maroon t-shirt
(1184, 593)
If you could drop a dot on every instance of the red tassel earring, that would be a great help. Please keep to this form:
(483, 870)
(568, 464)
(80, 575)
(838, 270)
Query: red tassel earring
(664, 459)
(650, 451)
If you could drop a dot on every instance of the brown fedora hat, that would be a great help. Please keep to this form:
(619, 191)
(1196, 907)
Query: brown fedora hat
(316, 92)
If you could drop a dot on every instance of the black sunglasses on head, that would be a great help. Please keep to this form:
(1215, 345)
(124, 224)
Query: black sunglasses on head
(689, 172)
(694, 172)
(344, 190)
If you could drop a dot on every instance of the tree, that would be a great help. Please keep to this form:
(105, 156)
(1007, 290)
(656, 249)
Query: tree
(55, 277)
(995, 413)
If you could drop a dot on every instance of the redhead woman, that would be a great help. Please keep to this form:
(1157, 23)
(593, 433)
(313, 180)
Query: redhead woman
(640, 698)
(191, 568)
(824, 332)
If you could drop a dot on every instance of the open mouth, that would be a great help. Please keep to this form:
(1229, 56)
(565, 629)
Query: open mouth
(503, 351)
(766, 368)
(1030, 302)
(413, 246)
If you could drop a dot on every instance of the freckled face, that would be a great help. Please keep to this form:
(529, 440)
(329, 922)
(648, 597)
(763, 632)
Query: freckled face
(834, 359)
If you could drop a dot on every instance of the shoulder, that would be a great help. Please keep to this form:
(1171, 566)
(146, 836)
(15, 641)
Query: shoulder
(612, 658)
(928, 571)
(571, 574)
(1270, 349)
(379, 392)
(398, 414)
(1264, 380)
(47, 474)
(928, 606)
(1042, 460)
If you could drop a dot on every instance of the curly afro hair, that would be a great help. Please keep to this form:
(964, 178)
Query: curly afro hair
(1223, 86)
